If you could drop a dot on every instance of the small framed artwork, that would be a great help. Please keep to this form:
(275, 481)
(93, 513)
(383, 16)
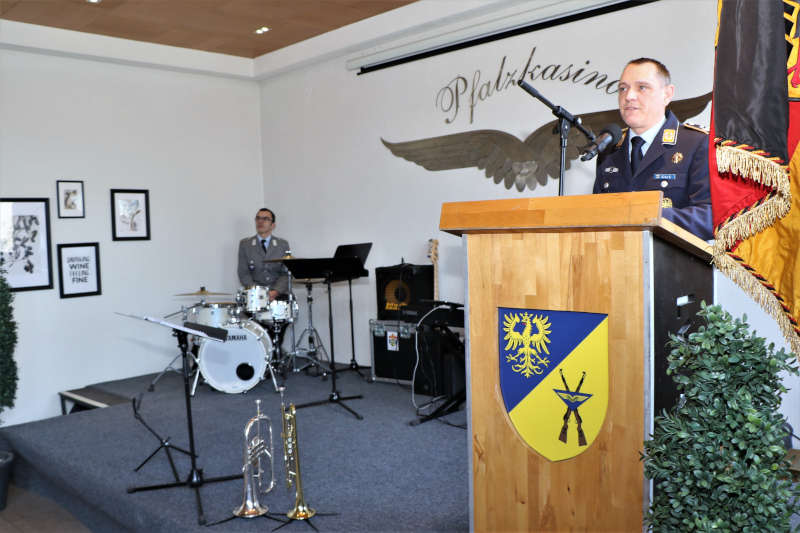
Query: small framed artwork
(69, 195)
(25, 243)
(79, 269)
(130, 215)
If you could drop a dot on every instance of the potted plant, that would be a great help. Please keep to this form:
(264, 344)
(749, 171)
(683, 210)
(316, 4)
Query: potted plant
(717, 459)
(8, 376)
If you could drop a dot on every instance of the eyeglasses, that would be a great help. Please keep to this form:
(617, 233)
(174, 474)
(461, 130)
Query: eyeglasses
(264, 219)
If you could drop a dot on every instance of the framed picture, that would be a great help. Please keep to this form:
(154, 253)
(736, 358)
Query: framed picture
(25, 243)
(69, 196)
(79, 269)
(130, 214)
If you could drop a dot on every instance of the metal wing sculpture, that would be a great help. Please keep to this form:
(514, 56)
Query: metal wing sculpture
(506, 159)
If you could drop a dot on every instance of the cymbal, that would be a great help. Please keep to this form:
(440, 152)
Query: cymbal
(307, 280)
(203, 292)
(278, 260)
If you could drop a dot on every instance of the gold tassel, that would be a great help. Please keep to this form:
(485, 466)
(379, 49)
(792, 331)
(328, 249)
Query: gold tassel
(748, 224)
(753, 166)
(763, 296)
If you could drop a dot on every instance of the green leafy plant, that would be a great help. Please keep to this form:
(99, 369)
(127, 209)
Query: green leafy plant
(8, 341)
(717, 460)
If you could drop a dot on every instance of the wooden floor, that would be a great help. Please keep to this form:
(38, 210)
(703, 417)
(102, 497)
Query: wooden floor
(27, 512)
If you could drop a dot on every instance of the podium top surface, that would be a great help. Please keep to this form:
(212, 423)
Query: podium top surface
(591, 212)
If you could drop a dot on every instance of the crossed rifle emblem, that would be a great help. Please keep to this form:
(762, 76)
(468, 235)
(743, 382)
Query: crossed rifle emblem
(573, 400)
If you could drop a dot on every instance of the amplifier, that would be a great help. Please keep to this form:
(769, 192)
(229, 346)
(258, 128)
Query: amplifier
(401, 285)
(440, 370)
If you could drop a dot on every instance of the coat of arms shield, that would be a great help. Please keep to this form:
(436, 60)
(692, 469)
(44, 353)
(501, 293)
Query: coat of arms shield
(554, 377)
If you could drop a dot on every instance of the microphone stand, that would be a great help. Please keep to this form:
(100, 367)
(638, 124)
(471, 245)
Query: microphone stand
(566, 120)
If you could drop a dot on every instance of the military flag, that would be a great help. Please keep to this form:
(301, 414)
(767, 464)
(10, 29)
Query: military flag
(753, 167)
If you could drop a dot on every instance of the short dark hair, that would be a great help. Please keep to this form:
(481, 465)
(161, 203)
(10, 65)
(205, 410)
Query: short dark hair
(270, 213)
(660, 68)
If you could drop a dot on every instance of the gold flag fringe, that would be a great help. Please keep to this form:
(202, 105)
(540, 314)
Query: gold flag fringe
(747, 163)
(750, 164)
(762, 295)
(750, 222)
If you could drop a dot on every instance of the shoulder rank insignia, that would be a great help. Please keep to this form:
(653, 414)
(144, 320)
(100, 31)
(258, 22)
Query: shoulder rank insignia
(554, 377)
(666, 202)
(669, 136)
(695, 127)
(677, 157)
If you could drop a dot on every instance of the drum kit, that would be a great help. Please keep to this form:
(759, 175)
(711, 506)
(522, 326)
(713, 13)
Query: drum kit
(255, 327)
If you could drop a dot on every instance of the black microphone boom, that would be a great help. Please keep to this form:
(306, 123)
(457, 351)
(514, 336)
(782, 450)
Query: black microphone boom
(611, 134)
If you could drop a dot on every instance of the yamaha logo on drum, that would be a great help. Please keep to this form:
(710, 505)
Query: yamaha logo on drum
(237, 337)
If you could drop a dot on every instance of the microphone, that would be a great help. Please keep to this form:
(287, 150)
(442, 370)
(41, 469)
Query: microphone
(609, 135)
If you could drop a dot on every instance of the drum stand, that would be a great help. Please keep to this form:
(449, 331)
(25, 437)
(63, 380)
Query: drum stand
(195, 478)
(313, 340)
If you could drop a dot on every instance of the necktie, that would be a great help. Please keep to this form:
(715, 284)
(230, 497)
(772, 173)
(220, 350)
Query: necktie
(264, 245)
(636, 153)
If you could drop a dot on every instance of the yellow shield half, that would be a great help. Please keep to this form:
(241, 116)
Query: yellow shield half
(554, 377)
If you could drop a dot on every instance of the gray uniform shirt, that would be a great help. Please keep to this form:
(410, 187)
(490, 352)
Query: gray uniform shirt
(253, 270)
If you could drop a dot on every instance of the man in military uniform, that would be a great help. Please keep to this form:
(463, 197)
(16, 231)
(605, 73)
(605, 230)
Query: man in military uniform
(253, 251)
(657, 152)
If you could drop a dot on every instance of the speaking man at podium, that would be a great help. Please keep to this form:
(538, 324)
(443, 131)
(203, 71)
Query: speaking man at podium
(657, 152)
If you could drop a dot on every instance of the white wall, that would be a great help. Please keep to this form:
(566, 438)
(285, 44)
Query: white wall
(211, 149)
(193, 141)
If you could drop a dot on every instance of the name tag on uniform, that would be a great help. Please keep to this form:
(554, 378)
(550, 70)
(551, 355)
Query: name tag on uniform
(669, 177)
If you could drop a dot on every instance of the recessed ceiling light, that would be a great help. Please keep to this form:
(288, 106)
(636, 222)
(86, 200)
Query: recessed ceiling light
(262, 29)
(94, 1)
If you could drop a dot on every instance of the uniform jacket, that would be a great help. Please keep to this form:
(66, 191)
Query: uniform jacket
(253, 271)
(675, 163)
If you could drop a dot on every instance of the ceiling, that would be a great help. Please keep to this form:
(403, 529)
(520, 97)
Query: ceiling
(222, 26)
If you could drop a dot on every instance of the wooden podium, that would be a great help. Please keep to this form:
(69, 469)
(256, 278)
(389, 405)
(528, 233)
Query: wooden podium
(610, 254)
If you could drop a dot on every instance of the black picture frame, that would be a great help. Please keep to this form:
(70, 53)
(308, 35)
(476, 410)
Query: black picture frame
(130, 214)
(25, 254)
(70, 199)
(80, 263)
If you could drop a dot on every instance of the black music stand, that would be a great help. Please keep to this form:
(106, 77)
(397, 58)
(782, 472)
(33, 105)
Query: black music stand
(361, 251)
(195, 478)
(331, 269)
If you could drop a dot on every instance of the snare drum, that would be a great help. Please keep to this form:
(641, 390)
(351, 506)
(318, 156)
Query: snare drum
(279, 311)
(255, 298)
(238, 364)
(216, 315)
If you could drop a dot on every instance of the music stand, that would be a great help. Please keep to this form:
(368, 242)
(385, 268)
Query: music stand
(195, 478)
(360, 251)
(331, 269)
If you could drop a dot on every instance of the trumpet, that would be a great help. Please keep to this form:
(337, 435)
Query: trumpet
(256, 450)
(291, 458)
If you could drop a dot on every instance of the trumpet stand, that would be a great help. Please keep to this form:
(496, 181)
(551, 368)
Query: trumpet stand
(195, 479)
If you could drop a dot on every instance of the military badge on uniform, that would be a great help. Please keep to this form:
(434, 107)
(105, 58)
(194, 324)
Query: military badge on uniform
(554, 377)
(677, 157)
(611, 170)
(669, 136)
(666, 202)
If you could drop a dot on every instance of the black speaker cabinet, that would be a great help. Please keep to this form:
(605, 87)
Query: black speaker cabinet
(400, 285)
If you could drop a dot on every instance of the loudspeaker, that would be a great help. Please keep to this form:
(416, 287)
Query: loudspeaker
(400, 285)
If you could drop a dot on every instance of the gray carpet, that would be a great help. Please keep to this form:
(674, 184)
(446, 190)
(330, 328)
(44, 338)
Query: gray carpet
(378, 474)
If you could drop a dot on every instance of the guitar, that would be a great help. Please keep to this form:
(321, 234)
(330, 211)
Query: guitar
(433, 255)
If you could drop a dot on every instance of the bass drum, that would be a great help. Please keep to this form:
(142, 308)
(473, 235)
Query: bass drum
(238, 364)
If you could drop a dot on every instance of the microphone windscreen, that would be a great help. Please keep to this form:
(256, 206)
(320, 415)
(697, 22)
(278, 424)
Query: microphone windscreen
(615, 132)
